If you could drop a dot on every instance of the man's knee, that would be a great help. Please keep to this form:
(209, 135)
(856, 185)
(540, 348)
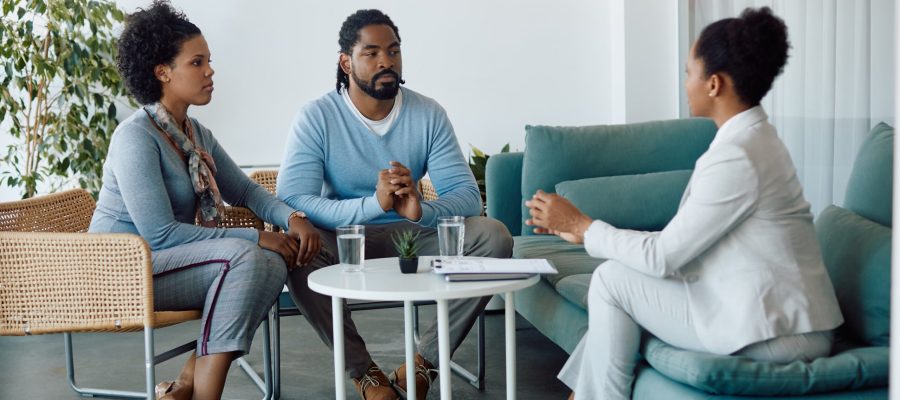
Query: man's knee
(491, 238)
(328, 254)
(297, 279)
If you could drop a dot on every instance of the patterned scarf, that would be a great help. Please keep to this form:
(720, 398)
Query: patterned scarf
(201, 166)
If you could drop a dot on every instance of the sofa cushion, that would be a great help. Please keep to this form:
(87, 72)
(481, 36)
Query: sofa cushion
(556, 154)
(569, 259)
(857, 253)
(649, 383)
(574, 288)
(869, 188)
(858, 368)
(645, 202)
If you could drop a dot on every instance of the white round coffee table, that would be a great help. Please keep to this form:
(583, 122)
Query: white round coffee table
(381, 279)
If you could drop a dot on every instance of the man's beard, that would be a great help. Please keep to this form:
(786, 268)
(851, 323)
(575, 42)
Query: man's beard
(386, 92)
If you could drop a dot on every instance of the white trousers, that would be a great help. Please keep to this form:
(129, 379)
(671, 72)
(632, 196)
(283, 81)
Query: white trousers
(623, 303)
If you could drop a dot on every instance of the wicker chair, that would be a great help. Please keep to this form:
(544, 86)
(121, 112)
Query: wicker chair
(426, 188)
(285, 307)
(55, 278)
(266, 178)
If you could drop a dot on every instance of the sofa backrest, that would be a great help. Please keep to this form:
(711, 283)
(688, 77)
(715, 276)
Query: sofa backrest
(558, 154)
(869, 190)
(644, 202)
(856, 242)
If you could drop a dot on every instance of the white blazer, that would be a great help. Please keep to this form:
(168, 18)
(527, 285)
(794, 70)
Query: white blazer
(742, 242)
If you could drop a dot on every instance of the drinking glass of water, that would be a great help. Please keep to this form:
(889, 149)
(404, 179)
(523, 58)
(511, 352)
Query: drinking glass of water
(451, 235)
(351, 241)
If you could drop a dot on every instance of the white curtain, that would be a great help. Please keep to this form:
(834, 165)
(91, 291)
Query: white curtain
(836, 86)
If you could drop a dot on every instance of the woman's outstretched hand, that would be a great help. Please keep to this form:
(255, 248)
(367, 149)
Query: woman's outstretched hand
(555, 215)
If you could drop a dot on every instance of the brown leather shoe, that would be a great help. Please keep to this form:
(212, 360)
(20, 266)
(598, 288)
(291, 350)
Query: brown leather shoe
(425, 375)
(374, 385)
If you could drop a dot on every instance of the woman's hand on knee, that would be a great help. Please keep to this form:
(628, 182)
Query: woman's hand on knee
(310, 244)
(282, 244)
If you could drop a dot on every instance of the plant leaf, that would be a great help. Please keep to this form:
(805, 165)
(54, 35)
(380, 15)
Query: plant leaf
(79, 64)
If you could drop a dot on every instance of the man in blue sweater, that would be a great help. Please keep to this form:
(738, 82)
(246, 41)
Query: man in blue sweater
(354, 156)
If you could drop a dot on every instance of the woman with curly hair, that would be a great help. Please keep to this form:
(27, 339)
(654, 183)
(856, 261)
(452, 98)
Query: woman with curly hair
(738, 269)
(164, 172)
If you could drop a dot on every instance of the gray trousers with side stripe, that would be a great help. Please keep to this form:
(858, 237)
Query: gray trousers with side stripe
(234, 281)
(485, 237)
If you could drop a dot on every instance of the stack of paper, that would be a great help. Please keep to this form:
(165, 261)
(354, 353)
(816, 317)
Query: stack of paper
(488, 269)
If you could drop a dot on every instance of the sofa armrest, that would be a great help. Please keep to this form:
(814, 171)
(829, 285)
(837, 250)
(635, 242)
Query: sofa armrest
(503, 182)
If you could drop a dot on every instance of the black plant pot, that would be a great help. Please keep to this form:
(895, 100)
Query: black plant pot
(409, 265)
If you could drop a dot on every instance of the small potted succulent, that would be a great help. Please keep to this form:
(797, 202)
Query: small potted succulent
(407, 246)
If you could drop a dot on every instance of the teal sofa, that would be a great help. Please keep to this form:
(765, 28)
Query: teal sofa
(633, 176)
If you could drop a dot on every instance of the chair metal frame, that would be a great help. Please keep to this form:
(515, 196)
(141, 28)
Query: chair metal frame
(475, 379)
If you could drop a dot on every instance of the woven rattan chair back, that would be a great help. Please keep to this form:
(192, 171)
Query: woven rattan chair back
(44, 277)
(240, 217)
(45, 273)
(266, 178)
(426, 188)
(68, 211)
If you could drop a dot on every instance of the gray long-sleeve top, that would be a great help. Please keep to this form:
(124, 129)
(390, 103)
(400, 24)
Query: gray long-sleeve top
(147, 189)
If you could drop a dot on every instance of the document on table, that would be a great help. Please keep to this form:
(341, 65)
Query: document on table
(484, 277)
(495, 266)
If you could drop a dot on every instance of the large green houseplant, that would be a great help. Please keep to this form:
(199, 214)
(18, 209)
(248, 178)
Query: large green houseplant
(58, 88)
(478, 164)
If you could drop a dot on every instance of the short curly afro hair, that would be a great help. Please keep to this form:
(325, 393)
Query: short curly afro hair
(752, 49)
(151, 37)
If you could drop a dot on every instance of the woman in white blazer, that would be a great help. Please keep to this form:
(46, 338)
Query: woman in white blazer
(738, 270)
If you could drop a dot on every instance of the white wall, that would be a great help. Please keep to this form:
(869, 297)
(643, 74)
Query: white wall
(648, 72)
(495, 66)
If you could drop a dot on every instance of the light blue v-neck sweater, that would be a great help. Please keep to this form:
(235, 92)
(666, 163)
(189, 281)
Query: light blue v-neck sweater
(331, 162)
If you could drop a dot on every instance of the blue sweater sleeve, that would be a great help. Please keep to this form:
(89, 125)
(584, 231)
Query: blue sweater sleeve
(239, 190)
(302, 175)
(138, 170)
(457, 190)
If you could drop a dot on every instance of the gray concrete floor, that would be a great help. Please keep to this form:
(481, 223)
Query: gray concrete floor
(34, 367)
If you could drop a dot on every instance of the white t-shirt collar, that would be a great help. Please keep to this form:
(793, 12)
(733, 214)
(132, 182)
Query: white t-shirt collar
(378, 127)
